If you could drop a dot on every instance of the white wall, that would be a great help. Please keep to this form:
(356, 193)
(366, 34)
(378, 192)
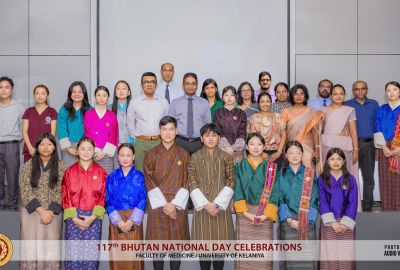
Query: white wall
(46, 42)
(345, 41)
(230, 41)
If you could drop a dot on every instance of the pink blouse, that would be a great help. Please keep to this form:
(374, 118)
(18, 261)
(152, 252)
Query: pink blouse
(101, 130)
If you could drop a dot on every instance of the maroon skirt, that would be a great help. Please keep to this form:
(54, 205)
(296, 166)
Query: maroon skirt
(389, 184)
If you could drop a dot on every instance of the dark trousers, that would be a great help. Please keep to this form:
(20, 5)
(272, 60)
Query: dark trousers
(191, 147)
(366, 160)
(279, 161)
(9, 168)
(206, 265)
(173, 265)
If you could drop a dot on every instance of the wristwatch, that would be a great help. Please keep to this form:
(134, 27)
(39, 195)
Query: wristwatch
(218, 206)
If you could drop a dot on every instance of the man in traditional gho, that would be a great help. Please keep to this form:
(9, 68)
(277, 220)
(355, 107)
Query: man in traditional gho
(165, 170)
(211, 182)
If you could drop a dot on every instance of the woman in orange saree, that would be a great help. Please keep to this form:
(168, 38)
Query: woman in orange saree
(303, 124)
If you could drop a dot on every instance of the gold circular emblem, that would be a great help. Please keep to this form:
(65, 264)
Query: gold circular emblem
(179, 163)
(6, 249)
(304, 203)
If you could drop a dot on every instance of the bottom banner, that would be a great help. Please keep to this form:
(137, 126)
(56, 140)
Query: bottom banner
(343, 250)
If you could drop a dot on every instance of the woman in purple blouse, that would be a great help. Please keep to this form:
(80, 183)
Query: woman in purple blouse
(338, 195)
(233, 122)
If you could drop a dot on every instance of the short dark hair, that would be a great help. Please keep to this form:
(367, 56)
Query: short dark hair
(263, 94)
(127, 145)
(210, 127)
(281, 84)
(169, 64)
(262, 74)
(324, 80)
(190, 74)
(293, 91)
(285, 163)
(101, 87)
(252, 135)
(149, 74)
(229, 88)
(392, 83)
(205, 84)
(239, 93)
(9, 80)
(338, 86)
(85, 139)
(166, 120)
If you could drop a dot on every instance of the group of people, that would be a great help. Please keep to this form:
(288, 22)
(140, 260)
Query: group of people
(276, 154)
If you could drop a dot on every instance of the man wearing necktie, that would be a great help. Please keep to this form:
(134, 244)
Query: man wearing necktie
(324, 93)
(191, 112)
(167, 88)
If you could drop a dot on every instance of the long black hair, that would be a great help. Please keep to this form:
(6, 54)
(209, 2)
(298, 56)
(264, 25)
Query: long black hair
(114, 106)
(205, 84)
(69, 104)
(326, 172)
(53, 162)
(285, 164)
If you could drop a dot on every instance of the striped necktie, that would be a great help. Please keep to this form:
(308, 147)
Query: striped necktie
(167, 93)
(190, 127)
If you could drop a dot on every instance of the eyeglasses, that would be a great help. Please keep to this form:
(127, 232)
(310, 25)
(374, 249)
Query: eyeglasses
(265, 80)
(280, 92)
(190, 84)
(361, 89)
(149, 82)
(325, 87)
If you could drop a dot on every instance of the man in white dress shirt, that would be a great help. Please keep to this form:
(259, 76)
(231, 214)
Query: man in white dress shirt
(168, 88)
(144, 114)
